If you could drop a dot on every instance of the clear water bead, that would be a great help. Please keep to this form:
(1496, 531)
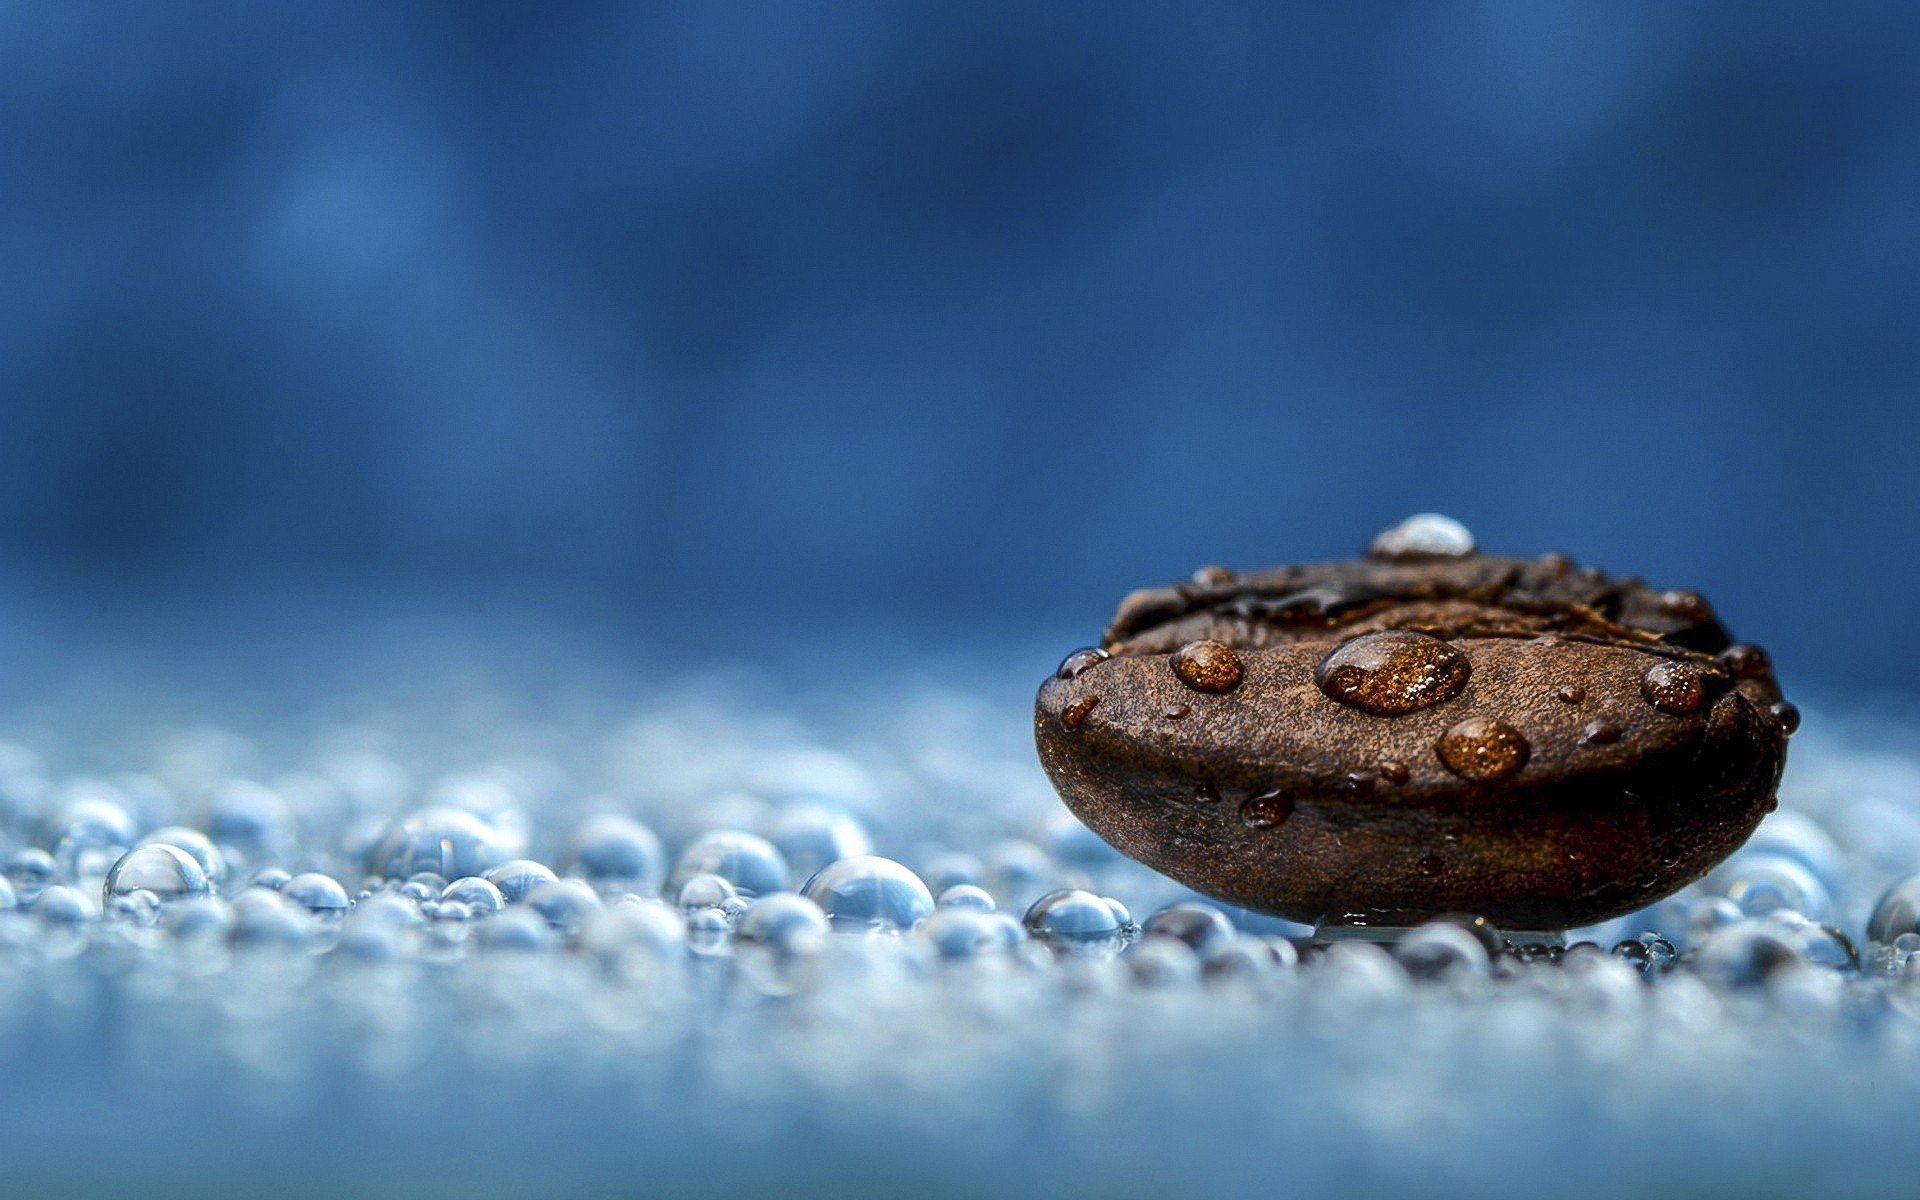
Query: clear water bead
(450, 842)
(31, 871)
(516, 877)
(1745, 953)
(90, 831)
(61, 905)
(1202, 927)
(1763, 883)
(647, 928)
(869, 892)
(783, 922)
(1075, 922)
(709, 931)
(705, 891)
(966, 895)
(516, 931)
(476, 893)
(198, 844)
(960, 933)
(1441, 948)
(1163, 963)
(1423, 535)
(265, 920)
(749, 862)
(1897, 914)
(168, 872)
(564, 903)
(618, 852)
(810, 836)
(319, 894)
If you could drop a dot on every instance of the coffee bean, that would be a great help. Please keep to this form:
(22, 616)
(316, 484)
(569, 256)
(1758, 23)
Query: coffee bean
(1424, 730)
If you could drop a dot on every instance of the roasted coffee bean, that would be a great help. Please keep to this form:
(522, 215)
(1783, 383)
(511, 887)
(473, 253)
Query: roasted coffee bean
(1424, 730)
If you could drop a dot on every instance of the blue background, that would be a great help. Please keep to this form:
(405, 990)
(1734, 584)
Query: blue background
(970, 316)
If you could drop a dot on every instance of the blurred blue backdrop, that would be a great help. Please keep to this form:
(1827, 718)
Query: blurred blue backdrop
(978, 313)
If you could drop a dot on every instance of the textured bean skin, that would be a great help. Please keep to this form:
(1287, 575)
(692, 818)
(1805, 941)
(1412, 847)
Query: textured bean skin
(1477, 781)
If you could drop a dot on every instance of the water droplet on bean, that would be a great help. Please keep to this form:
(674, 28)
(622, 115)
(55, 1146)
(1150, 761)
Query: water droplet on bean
(1483, 749)
(1079, 661)
(1267, 810)
(1208, 666)
(1392, 672)
(1601, 733)
(1423, 535)
(1675, 687)
(1075, 713)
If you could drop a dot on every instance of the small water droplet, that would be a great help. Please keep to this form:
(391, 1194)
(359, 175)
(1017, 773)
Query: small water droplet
(1077, 712)
(1176, 712)
(1392, 672)
(1601, 733)
(1208, 666)
(1788, 715)
(1573, 693)
(1079, 661)
(1206, 793)
(1675, 687)
(1691, 606)
(1074, 922)
(1267, 810)
(1430, 865)
(1394, 771)
(1423, 535)
(1483, 749)
(1213, 575)
(1746, 661)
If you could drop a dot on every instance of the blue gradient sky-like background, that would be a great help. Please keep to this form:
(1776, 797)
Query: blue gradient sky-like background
(979, 313)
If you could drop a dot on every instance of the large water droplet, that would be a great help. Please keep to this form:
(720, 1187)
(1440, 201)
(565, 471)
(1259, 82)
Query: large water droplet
(869, 892)
(448, 841)
(195, 843)
(476, 893)
(519, 876)
(1079, 661)
(783, 923)
(1075, 922)
(1392, 672)
(1676, 687)
(1423, 535)
(1208, 666)
(747, 861)
(1202, 927)
(812, 835)
(618, 853)
(319, 894)
(1483, 749)
(168, 872)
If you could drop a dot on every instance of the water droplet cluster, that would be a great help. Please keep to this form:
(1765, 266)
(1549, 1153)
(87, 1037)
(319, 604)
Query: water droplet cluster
(775, 933)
